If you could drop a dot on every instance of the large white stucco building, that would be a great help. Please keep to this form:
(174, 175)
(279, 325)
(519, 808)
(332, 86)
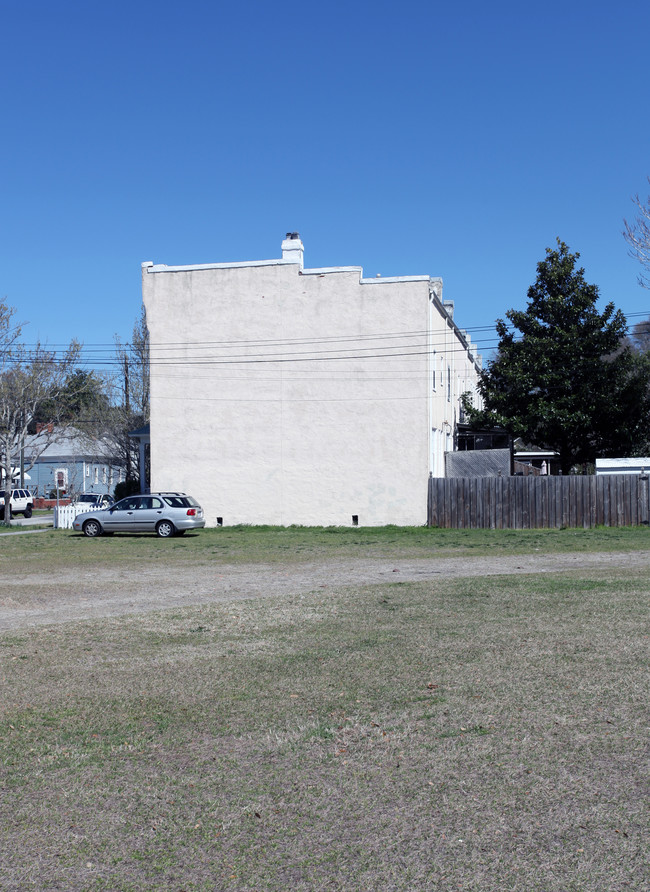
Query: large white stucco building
(285, 395)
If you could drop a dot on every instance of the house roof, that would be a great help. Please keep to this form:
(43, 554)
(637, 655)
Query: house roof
(66, 444)
(141, 433)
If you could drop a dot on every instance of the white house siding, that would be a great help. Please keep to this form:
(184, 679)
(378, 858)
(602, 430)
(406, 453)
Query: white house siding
(622, 466)
(285, 396)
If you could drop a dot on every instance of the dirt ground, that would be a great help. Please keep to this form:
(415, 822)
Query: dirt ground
(37, 599)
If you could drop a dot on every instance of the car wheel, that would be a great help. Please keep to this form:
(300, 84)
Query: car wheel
(28, 511)
(92, 528)
(165, 529)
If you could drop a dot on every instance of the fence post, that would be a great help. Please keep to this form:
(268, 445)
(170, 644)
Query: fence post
(644, 499)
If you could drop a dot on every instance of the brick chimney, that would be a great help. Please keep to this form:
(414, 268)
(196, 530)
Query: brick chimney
(292, 248)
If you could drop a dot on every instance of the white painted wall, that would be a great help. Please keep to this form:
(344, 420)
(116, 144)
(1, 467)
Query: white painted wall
(281, 395)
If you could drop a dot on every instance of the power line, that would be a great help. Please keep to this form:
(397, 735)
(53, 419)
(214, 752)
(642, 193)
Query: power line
(214, 353)
(261, 342)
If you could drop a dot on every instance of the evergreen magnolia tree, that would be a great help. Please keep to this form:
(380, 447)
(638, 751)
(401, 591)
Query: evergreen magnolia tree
(563, 377)
(82, 397)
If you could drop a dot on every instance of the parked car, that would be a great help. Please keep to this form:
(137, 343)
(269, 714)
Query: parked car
(164, 513)
(22, 502)
(93, 500)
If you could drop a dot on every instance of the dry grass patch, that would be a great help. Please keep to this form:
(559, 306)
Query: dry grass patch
(474, 734)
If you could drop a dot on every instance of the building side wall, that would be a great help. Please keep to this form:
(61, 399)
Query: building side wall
(453, 372)
(279, 397)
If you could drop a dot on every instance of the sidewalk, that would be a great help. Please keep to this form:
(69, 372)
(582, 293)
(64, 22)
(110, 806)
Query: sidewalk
(20, 524)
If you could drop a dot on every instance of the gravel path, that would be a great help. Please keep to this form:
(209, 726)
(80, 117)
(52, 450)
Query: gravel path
(37, 599)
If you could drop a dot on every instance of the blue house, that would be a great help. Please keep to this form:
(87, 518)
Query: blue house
(77, 463)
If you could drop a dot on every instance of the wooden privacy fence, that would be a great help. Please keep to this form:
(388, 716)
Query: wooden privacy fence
(523, 503)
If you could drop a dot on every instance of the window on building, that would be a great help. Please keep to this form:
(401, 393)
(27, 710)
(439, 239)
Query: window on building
(448, 384)
(433, 371)
(96, 478)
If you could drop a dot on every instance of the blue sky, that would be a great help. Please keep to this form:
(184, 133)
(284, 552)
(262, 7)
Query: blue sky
(457, 140)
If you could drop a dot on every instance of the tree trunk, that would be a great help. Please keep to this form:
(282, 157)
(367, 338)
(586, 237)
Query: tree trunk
(7, 483)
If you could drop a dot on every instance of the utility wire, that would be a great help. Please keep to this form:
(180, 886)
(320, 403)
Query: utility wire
(218, 352)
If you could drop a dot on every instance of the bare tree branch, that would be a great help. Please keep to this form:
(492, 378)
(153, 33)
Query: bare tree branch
(28, 377)
(637, 235)
(128, 393)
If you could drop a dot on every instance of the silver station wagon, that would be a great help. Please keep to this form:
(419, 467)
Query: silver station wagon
(164, 513)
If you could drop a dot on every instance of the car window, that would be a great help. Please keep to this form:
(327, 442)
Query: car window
(156, 503)
(126, 504)
(176, 501)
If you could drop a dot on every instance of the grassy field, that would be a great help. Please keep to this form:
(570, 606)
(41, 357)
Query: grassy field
(56, 549)
(478, 735)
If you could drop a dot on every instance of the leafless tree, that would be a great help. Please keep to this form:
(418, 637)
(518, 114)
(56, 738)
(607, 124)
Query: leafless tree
(128, 391)
(133, 364)
(28, 377)
(637, 235)
(639, 336)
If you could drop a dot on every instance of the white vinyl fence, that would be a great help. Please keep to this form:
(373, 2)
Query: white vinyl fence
(64, 515)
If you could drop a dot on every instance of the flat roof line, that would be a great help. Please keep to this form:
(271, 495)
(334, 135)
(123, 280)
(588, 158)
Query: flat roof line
(320, 271)
(379, 279)
(324, 270)
(163, 268)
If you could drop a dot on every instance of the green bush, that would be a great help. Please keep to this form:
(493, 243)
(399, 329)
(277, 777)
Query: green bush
(126, 488)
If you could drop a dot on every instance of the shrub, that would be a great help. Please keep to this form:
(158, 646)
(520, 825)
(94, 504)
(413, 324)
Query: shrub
(126, 488)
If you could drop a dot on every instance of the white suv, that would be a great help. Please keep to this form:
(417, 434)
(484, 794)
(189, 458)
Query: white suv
(22, 502)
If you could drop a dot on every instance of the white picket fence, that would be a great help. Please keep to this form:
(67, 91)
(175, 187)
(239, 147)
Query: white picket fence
(64, 515)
